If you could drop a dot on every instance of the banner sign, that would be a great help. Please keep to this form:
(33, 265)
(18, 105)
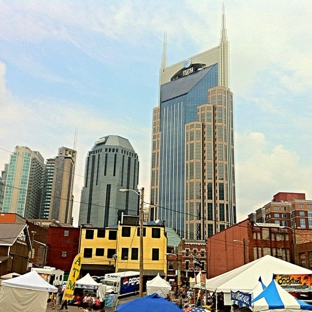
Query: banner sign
(72, 278)
(294, 282)
(240, 298)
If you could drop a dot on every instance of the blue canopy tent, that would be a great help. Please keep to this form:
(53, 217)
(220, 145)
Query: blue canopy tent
(274, 297)
(151, 303)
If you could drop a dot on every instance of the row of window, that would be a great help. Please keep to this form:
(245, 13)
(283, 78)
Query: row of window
(125, 232)
(126, 253)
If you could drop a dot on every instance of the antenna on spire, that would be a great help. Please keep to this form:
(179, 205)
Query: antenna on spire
(75, 138)
(164, 55)
(223, 30)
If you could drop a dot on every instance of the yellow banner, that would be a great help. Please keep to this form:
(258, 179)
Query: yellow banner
(294, 282)
(72, 278)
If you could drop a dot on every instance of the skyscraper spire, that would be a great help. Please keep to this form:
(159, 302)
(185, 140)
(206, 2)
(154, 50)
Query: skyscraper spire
(223, 29)
(164, 55)
(224, 52)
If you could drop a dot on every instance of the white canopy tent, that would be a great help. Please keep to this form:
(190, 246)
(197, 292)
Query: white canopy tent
(87, 282)
(245, 278)
(28, 293)
(274, 297)
(9, 275)
(158, 285)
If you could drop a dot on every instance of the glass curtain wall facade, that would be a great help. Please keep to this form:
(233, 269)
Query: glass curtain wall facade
(193, 154)
(23, 186)
(111, 165)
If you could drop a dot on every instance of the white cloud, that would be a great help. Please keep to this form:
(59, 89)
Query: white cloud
(263, 170)
(47, 125)
(270, 48)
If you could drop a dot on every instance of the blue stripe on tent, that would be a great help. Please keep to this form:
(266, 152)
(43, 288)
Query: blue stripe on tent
(272, 297)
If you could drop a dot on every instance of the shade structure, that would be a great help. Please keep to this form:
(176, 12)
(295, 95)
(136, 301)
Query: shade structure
(158, 285)
(10, 275)
(87, 282)
(245, 278)
(31, 280)
(274, 297)
(28, 292)
(151, 303)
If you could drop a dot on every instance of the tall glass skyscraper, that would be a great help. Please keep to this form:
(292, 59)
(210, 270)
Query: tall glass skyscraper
(192, 174)
(23, 184)
(111, 165)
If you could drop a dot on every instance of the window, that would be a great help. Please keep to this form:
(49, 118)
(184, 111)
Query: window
(310, 259)
(124, 253)
(135, 254)
(126, 231)
(66, 233)
(302, 223)
(170, 265)
(112, 235)
(87, 253)
(155, 233)
(89, 234)
(187, 252)
(202, 253)
(155, 254)
(276, 208)
(301, 213)
(101, 233)
(195, 252)
(144, 232)
(111, 252)
(187, 265)
(99, 252)
(301, 206)
(302, 259)
(276, 215)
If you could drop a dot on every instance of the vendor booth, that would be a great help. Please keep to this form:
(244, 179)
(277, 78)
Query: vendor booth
(87, 282)
(151, 303)
(245, 278)
(28, 293)
(158, 285)
(272, 297)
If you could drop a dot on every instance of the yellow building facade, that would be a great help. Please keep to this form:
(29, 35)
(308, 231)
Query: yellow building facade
(117, 249)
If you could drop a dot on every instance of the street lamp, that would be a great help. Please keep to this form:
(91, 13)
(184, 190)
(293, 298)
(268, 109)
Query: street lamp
(244, 246)
(141, 194)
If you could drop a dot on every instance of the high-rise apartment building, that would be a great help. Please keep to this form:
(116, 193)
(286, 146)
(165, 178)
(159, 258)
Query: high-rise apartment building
(192, 174)
(58, 181)
(23, 187)
(286, 209)
(111, 165)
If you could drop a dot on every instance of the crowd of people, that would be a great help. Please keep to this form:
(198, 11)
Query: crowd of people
(83, 300)
(186, 297)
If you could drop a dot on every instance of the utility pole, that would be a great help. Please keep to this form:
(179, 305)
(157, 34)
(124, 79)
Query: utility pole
(141, 241)
(140, 193)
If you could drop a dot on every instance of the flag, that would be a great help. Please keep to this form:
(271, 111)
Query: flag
(72, 278)
(198, 263)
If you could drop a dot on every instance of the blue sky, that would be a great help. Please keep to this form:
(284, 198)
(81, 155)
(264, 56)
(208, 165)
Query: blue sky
(92, 67)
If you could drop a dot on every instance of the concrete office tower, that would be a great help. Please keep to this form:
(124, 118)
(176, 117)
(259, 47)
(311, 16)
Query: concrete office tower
(58, 181)
(23, 187)
(111, 165)
(192, 174)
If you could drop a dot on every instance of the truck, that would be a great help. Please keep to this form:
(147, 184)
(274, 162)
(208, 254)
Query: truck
(51, 275)
(122, 283)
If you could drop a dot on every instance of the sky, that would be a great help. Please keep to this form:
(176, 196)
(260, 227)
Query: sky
(72, 72)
